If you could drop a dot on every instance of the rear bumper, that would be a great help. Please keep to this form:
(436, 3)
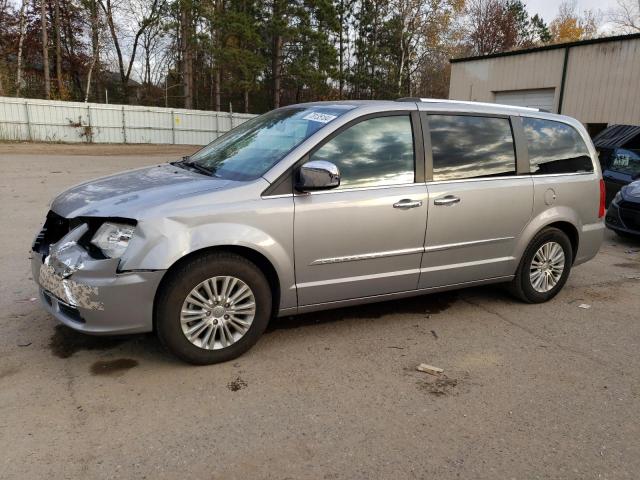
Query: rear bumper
(96, 299)
(590, 241)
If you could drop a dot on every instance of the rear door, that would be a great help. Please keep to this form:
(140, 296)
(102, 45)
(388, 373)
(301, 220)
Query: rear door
(365, 237)
(478, 204)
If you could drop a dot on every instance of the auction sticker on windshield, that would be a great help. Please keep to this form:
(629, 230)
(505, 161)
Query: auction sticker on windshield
(319, 117)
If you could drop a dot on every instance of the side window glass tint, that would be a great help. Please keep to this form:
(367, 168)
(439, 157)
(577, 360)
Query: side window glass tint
(373, 152)
(555, 147)
(467, 146)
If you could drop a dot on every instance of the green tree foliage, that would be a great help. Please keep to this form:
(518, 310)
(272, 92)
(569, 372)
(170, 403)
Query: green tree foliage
(252, 55)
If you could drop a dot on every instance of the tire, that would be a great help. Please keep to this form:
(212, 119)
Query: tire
(522, 285)
(198, 273)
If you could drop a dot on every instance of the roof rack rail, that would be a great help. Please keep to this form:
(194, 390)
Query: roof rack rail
(464, 102)
(409, 99)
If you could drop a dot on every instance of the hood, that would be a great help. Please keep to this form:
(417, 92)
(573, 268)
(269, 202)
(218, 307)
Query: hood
(128, 193)
(632, 192)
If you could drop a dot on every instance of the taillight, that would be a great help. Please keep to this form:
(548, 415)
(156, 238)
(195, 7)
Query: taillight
(602, 199)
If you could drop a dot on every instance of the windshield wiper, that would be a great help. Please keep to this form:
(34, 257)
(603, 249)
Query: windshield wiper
(185, 163)
(200, 168)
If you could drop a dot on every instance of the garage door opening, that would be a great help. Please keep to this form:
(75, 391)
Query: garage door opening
(541, 98)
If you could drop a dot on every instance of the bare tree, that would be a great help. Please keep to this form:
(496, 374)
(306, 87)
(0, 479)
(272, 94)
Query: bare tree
(141, 15)
(626, 17)
(487, 22)
(22, 27)
(95, 44)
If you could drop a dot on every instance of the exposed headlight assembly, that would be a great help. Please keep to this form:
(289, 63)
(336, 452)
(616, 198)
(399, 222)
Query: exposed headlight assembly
(113, 238)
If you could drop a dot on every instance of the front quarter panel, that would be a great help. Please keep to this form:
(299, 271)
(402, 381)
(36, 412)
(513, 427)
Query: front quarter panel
(238, 218)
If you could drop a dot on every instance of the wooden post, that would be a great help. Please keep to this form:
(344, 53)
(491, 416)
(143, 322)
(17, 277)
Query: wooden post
(26, 111)
(124, 127)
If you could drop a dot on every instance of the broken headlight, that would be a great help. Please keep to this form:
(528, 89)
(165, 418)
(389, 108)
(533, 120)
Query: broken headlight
(113, 238)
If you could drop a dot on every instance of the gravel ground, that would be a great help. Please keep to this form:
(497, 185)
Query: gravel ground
(531, 391)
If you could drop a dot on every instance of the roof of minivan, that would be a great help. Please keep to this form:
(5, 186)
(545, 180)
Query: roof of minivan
(453, 105)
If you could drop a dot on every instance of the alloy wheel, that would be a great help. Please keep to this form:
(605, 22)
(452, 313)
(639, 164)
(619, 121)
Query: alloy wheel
(218, 312)
(547, 267)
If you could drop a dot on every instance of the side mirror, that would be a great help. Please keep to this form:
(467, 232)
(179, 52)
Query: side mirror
(317, 175)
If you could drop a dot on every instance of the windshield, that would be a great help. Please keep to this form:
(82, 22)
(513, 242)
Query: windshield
(251, 149)
(626, 161)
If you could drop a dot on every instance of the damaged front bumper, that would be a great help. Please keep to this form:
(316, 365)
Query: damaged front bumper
(89, 294)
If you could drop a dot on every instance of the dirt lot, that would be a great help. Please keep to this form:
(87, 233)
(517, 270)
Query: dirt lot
(534, 391)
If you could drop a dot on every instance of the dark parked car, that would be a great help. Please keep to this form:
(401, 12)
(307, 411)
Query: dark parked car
(623, 215)
(619, 153)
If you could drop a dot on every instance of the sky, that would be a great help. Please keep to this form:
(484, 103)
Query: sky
(548, 9)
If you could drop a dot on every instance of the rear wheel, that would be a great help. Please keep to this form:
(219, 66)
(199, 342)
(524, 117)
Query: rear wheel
(213, 308)
(544, 267)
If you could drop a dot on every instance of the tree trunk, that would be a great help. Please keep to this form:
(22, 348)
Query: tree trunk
(57, 24)
(217, 89)
(70, 46)
(124, 76)
(45, 49)
(217, 69)
(246, 100)
(95, 46)
(124, 81)
(276, 54)
(20, 44)
(187, 55)
(277, 69)
(341, 53)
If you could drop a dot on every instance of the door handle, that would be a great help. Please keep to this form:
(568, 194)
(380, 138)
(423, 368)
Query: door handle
(407, 203)
(448, 200)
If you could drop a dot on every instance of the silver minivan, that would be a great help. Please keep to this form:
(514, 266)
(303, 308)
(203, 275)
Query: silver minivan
(323, 205)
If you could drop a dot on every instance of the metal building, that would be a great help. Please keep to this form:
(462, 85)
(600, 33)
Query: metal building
(596, 81)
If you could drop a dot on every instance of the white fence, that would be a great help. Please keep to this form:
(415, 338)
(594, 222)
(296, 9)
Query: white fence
(55, 121)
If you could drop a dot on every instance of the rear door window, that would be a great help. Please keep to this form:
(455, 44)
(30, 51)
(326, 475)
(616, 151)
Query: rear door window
(555, 147)
(466, 146)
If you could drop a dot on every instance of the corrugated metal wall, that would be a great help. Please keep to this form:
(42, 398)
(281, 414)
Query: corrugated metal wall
(478, 80)
(602, 84)
(55, 121)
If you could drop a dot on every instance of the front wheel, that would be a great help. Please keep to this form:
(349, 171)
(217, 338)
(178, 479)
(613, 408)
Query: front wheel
(213, 308)
(544, 267)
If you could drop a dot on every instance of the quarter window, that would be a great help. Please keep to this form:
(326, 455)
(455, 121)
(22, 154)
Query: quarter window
(373, 152)
(467, 146)
(555, 147)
